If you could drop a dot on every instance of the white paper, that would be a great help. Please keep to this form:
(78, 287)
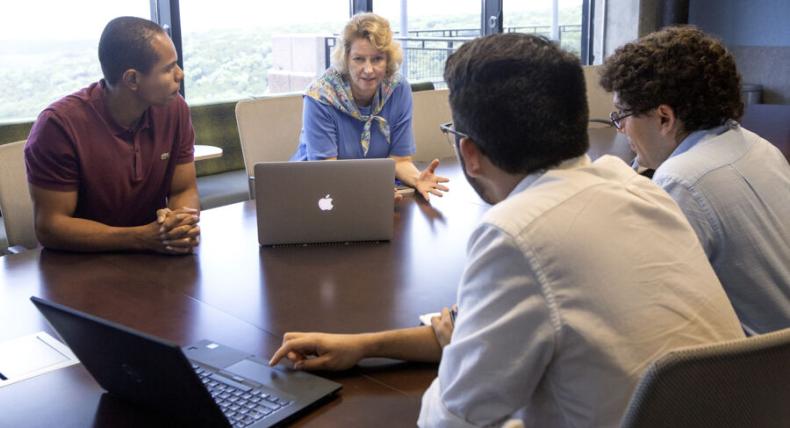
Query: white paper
(32, 355)
(425, 319)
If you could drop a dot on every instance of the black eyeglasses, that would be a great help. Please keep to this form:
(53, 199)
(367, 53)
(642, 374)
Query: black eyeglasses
(616, 117)
(453, 136)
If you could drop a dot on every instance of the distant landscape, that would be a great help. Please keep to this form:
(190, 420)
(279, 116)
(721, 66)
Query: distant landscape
(220, 65)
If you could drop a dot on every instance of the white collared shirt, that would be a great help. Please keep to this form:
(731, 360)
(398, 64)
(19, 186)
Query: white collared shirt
(584, 275)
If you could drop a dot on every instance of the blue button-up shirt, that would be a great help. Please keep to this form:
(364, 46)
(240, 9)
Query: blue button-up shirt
(734, 188)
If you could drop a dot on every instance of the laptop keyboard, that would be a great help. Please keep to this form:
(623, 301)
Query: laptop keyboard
(242, 405)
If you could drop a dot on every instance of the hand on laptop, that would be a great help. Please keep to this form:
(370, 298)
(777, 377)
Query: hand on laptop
(179, 232)
(320, 351)
(430, 183)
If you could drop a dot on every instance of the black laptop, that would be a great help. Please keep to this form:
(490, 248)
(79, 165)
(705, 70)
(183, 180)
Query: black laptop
(205, 384)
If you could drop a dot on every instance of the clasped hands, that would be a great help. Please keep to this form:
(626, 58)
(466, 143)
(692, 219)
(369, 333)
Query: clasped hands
(177, 230)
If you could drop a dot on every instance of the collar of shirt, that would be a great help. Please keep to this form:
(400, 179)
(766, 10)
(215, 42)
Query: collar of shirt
(97, 98)
(695, 137)
(526, 182)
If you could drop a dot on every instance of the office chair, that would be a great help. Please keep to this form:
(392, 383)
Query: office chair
(15, 202)
(740, 383)
(431, 109)
(269, 129)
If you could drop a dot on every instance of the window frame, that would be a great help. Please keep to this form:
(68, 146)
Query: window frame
(167, 14)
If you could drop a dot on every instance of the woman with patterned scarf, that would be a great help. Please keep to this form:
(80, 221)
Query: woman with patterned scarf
(361, 107)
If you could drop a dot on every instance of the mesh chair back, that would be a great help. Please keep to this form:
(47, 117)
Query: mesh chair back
(269, 128)
(741, 383)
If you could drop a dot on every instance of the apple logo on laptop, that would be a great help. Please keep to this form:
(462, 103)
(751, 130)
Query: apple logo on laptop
(325, 203)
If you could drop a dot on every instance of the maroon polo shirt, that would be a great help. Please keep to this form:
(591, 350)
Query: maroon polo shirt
(122, 176)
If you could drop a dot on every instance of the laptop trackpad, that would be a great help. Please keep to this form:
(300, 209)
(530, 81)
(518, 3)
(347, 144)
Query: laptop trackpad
(258, 372)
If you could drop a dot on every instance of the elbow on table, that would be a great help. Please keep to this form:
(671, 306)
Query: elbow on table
(48, 233)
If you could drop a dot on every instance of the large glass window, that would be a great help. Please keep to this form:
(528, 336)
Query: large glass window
(242, 48)
(538, 16)
(49, 48)
(433, 30)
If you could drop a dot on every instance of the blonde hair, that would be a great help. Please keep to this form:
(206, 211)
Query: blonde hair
(376, 30)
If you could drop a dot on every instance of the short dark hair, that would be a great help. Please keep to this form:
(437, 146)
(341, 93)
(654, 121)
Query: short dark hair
(126, 43)
(521, 98)
(681, 67)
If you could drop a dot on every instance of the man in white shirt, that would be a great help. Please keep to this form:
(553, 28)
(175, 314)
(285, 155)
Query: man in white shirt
(578, 277)
(678, 95)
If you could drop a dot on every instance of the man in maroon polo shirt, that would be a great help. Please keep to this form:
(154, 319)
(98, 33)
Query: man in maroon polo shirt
(111, 166)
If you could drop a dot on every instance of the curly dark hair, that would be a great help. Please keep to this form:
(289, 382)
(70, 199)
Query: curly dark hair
(521, 98)
(681, 67)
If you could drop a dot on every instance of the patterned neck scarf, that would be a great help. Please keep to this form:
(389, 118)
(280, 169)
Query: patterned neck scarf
(331, 89)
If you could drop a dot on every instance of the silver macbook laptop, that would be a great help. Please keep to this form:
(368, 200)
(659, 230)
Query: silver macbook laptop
(324, 201)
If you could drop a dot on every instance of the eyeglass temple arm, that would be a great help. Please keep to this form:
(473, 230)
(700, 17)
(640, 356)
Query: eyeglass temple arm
(603, 121)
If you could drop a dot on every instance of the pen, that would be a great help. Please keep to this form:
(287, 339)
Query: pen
(453, 313)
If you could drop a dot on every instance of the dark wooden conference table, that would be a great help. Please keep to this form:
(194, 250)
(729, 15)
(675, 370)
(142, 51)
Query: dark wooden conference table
(236, 293)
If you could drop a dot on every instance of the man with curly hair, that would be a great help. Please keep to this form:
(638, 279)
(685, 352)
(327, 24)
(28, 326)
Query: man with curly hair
(677, 92)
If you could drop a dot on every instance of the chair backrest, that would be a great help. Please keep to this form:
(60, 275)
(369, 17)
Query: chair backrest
(15, 202)
(740, 383)
(431, 109)
(599, 101)
(269, 128)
